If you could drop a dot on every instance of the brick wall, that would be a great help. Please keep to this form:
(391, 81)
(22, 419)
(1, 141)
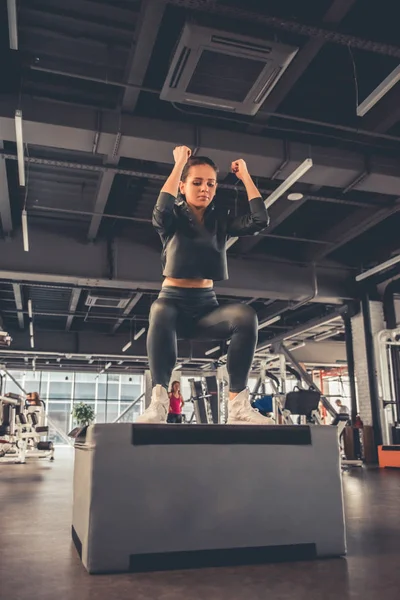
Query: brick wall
(360, 357)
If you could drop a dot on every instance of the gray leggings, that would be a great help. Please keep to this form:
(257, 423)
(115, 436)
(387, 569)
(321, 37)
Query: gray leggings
(196, 314)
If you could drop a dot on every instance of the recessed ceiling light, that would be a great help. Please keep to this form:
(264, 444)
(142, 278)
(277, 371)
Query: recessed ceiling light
(295, 196)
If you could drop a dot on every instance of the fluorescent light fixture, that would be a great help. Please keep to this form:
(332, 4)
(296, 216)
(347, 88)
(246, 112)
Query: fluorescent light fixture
(379, 92)
(120, 362)
(25, 236)
(108, 365)
(385, 265)
(327, 334)
(30, 309)
(139, 333)
(91, 361)
(20, 147)
(31, 329)
(32, 342)
(285, 185)
(301, 345)
(127, 346)
(178, 367)
(101, 372)
(269, 322)
(212, 350)
(12, 23)
(206, 366)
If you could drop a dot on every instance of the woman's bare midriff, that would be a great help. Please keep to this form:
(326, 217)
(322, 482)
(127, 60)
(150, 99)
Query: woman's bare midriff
(188, 283)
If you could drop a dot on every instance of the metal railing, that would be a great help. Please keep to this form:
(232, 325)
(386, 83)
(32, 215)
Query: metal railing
(128, 408)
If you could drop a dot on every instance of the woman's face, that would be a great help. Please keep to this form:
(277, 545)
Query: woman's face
(200, 186)
(177, 388)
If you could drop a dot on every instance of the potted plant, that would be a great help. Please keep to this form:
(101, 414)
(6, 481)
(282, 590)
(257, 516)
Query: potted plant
(83, 414)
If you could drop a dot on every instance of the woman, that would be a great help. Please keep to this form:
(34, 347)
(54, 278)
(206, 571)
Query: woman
(194, 230)
(176, 403)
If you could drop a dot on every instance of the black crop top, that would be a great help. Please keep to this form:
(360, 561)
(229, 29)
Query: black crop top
(193, 250)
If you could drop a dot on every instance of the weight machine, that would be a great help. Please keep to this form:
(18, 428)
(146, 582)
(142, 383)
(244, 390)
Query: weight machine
(21, 429)
(388, 342)
(309, 411)
(23, 425)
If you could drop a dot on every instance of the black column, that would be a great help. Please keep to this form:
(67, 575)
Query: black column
(391, 323)
(350, 367)
(371, 366)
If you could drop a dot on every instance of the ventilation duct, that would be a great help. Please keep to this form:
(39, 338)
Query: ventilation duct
(224, 71)
(107, 301)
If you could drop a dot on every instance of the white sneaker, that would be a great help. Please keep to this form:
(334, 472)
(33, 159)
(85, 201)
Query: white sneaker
(240, 412)
(157, 412)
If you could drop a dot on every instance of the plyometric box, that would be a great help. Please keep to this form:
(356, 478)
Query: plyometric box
(155, 497)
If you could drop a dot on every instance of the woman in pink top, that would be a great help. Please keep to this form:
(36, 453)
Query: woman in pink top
(175, 403)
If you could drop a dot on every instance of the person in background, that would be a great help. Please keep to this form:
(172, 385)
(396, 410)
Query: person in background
(341, 408)
(33, 399)
(176, 403)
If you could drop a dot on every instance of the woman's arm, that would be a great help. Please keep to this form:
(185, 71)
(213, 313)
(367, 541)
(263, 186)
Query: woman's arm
(258, 218)
(163, 215)
(181, 156)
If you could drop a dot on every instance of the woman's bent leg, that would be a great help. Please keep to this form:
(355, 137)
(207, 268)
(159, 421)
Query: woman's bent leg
(238, 322)
(161, 341)
(162, 352)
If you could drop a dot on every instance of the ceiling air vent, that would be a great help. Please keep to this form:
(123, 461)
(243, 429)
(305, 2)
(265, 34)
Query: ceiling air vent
(106, 301)
(224, 71)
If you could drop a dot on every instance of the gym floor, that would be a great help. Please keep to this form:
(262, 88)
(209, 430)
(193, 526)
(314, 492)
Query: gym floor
(38, 560)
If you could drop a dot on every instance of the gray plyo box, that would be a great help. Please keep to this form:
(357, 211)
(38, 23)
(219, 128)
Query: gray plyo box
(149, 497)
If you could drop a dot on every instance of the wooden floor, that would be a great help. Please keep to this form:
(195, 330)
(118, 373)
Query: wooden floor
(38, 560)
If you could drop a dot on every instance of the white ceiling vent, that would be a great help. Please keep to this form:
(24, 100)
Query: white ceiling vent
(224, 71)
(106, 301)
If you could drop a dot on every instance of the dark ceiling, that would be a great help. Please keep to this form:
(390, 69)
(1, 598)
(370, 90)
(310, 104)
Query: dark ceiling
(112, 57)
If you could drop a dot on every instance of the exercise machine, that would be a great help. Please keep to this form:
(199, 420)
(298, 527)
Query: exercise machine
(307, 407)
(22, 429)
(205, 396)
(388, 346)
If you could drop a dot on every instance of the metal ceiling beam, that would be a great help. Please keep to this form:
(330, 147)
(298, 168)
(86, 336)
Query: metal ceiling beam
(351, 228)
(69, 128)
(50, 345)
(145, 36)
(131, 304)
(334, 15)
(73, 303)
(291, 26)
(309, 326)
(157, 177)
(151, 14)
(19, 305)
(103, 191)
(56, 257)
(5, 206)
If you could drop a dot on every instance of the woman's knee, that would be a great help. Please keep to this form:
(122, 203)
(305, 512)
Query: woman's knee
(244, 317)
(162, 312)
